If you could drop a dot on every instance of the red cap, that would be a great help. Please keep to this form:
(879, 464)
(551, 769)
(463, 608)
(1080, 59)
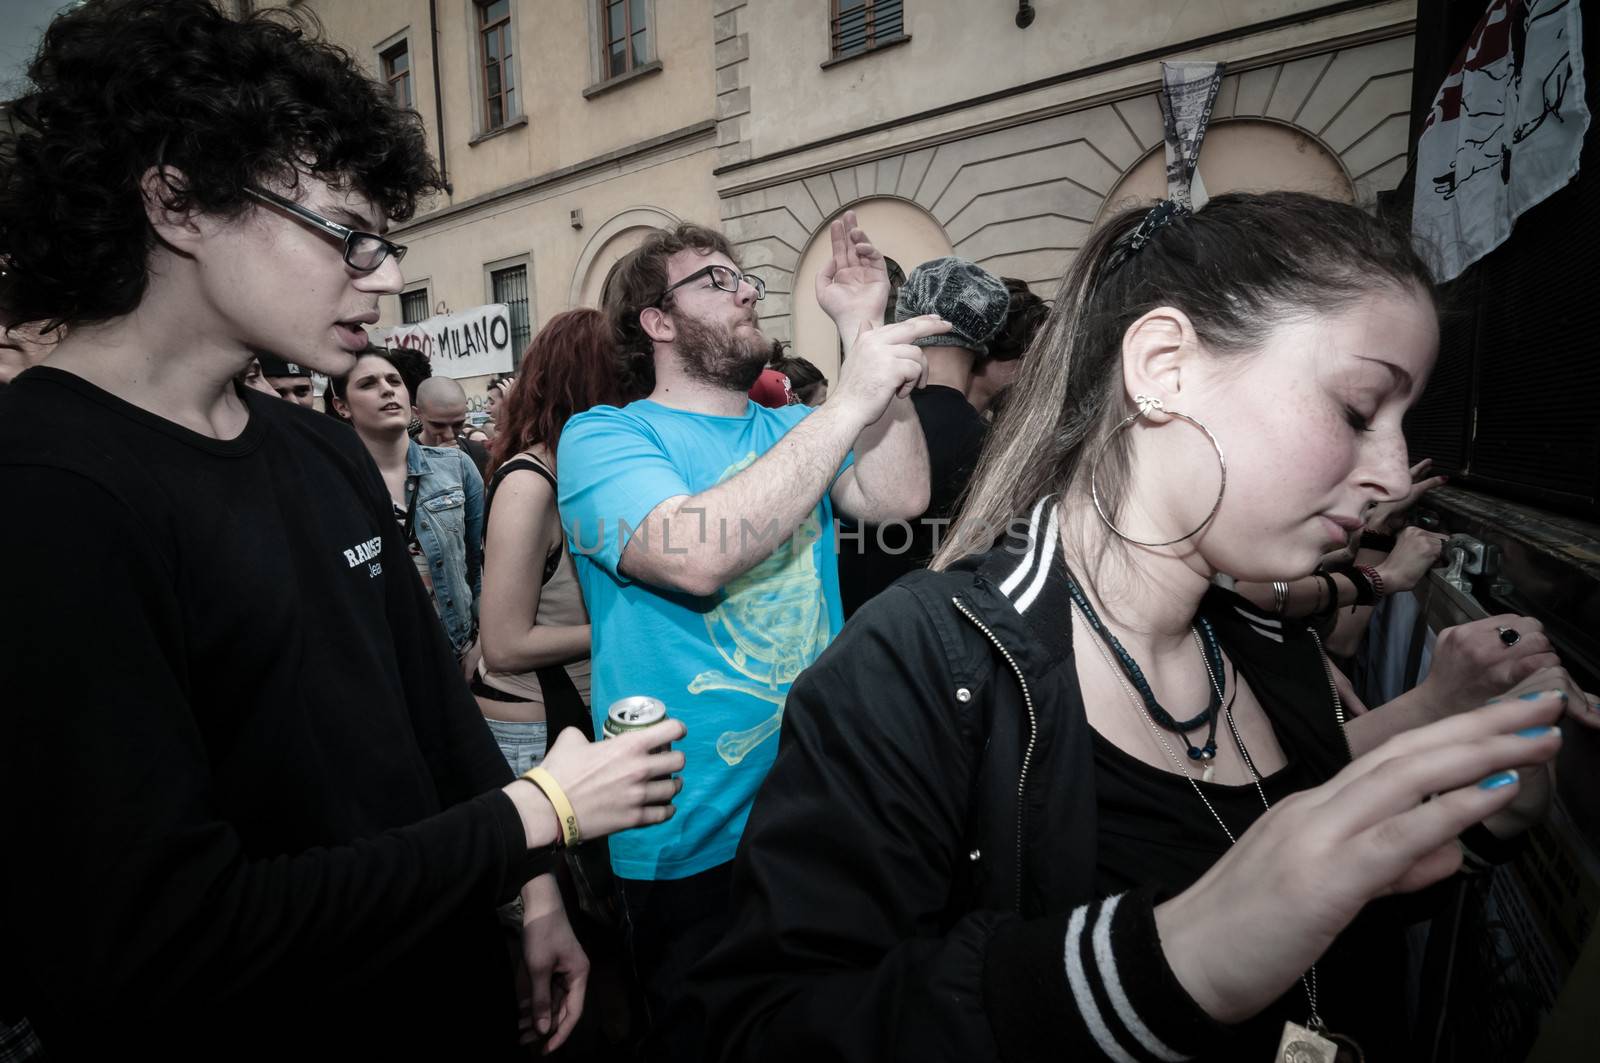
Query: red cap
(771, 389)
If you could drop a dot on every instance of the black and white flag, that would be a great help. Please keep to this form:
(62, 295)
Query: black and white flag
(1505, 130)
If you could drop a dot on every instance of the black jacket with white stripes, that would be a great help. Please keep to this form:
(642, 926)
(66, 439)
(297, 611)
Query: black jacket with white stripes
(906, 885)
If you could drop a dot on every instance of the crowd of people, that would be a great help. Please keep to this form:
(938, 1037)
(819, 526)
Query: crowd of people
(304, 751)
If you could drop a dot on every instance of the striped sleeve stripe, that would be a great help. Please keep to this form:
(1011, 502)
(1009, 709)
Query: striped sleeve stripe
(1083, 992)
(1107, 963)
(1120, 1033)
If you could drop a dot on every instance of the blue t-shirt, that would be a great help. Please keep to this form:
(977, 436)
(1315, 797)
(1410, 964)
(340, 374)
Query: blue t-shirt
(721, 664)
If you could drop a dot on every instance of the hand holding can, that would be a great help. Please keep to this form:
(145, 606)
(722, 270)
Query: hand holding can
(618, 784)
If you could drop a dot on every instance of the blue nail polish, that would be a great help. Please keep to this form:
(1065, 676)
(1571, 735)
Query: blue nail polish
(1494, 782)
(1538, 732)
(1532, 695)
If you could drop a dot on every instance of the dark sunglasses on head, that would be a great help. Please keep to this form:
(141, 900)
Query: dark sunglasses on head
(362, 251)
(724, 277)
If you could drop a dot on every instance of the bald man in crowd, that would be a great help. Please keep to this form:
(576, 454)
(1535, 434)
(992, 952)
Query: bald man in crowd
(441, 406)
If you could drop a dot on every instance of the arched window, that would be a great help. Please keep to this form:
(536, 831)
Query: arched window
(610, 242)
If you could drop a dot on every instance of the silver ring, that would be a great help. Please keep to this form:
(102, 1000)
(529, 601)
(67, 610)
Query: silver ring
(1509, 635)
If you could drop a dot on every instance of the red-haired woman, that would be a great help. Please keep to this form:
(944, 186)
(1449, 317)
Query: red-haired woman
(534, 627)
(534, 676)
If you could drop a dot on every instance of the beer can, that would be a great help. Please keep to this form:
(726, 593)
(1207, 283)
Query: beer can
(633, 714)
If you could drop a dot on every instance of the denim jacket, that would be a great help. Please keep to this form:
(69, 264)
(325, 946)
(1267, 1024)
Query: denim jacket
(449, 528)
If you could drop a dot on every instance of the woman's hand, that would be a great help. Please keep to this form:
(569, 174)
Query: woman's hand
(1471, 664)
(616, 784)
(1532, 803)
(1384, 516)
(1415, 551)
(1241, 936)
(1580, 704)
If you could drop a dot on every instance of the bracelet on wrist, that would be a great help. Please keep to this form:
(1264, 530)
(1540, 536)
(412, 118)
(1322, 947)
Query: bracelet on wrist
(1375, 578)
(1330, 595)
(565, 816)
(1359, 580)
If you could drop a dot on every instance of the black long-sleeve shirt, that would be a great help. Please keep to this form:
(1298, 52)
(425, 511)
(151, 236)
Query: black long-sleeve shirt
(247, 804)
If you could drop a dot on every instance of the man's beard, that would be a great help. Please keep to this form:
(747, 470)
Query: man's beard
(718, 356)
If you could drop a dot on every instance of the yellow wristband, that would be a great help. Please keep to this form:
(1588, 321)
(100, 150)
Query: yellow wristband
(558, 800)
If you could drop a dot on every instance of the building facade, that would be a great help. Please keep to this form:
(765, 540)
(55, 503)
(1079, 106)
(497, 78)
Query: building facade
(570, 127)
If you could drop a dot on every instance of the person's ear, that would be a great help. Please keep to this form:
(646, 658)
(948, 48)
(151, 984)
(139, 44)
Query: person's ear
(341, 407)
(657, 324)
(1155, 351)
(171, 213)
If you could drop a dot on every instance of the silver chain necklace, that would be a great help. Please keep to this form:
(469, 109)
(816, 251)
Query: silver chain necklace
(1309, 979)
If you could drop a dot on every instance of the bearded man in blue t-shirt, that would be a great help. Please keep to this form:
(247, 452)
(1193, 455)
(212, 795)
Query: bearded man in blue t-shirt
(703, 525)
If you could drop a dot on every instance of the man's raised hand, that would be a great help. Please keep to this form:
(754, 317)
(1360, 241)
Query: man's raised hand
(853, 285)
(884, 362)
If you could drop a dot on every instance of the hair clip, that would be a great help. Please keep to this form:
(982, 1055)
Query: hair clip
(1162, 213)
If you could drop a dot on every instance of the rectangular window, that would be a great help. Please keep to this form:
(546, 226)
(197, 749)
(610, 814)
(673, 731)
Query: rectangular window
(413, 306)
(499, 70)
(624, 36)
(510, 286)
(397, 72)
(861, 25)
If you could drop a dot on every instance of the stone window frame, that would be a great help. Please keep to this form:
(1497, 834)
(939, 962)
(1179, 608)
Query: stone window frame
(600, 79)
(478, 81)
(381, 52)
(873, 42)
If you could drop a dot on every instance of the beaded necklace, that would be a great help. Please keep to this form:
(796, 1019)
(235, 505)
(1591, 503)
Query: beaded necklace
(1210, 653)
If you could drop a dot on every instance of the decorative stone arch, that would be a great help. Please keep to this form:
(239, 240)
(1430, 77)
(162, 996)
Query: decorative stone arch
(1238, 155)
(1020, 200)
(621, 233)
(900, 229)
(1337, 122)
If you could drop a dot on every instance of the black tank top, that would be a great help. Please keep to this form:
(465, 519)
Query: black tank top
(1154, 831)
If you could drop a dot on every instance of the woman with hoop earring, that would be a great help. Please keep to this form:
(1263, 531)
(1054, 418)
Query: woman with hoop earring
(1064, 798)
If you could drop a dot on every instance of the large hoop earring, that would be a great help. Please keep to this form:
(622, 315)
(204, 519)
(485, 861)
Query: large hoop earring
(1146, 404)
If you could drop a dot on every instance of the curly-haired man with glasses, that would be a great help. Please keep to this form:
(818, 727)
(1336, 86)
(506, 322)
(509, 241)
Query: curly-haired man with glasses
(251, 809)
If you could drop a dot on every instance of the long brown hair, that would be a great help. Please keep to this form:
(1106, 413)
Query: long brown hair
(1239, 267)
(572, 365)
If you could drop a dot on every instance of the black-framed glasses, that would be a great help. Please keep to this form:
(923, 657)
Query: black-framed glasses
(362, 251)
(724, 277)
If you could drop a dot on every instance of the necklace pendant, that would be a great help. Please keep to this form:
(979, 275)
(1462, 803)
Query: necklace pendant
(1300, 1045)
(1316, 1045)
(1209, 773)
